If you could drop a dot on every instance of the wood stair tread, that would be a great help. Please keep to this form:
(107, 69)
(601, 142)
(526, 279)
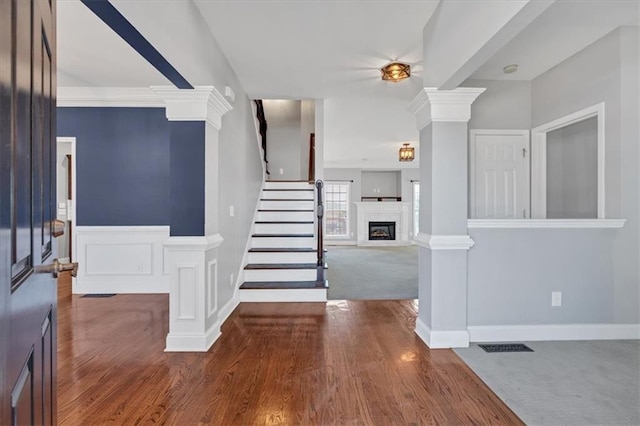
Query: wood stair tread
(261, 266)
(282, 235)
(282, 250)
(283, 285)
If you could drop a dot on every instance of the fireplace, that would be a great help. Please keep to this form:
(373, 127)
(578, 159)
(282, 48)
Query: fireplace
(382, 230)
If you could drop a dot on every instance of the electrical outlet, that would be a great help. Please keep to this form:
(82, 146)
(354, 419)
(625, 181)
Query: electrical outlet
(281, 171)
(231, 211)
(556, 298)
(231, 280)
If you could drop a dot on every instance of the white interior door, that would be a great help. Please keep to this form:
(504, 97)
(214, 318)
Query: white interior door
(499, 174)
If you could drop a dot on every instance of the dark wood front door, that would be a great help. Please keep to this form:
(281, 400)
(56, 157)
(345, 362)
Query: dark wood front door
(27, 195)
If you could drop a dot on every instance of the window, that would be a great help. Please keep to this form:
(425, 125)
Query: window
(416, 208)
(568, 166)
(336, 202)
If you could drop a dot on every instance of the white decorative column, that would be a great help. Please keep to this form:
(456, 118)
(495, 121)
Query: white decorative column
(442, 117)
(195, 117)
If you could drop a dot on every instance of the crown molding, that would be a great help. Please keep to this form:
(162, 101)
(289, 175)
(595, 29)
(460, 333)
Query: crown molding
(202, 103)
(432, 105)
(123, 97)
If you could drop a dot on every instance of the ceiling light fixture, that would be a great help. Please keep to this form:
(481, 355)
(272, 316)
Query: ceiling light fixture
(407, 153)
(395, 71)
(511, 68)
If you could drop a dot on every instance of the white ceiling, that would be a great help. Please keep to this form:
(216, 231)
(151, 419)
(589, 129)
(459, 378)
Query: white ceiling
(332, 50)
(564, 29)
(90, 54)
(317, 49)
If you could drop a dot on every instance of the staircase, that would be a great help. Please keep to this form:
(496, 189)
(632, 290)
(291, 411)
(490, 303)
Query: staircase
(282, 260)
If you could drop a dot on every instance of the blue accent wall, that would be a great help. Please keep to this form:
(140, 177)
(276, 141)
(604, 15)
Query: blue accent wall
(122, 159)
(187, 177)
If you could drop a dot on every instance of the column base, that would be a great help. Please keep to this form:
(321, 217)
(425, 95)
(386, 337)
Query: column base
(192, 342)
(441, 339)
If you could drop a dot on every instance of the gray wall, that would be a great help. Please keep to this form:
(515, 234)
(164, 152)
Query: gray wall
(572, 171)
(513, 271)
(284, 138)
(504, 105)
(381, 184)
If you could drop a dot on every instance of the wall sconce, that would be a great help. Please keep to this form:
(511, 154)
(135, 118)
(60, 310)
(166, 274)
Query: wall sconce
(395, 72)
(407, 153)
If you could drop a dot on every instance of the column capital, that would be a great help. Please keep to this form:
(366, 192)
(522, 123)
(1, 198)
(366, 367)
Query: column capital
(454, 105)
(202, 103)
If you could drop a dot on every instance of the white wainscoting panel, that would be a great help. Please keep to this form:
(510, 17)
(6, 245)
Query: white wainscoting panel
(121, 259)
(187, 281)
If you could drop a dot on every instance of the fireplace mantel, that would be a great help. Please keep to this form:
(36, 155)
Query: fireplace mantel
(397, 212)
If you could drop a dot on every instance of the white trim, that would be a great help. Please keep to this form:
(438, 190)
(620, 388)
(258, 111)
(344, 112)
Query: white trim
(228, 309)
(432, 105)
(472, 163)
(102, 268)
(545, 223)
(194, 243)
(71, 207)
(202, 103)
(377, 165)
(193, 342)
(335, 242)
(441, 339)
(282, 295)
(443, 242)
(511, 333)
(125, 97)
(539, 158)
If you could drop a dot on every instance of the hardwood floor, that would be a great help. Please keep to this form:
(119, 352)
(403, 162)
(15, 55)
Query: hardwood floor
(295, 364)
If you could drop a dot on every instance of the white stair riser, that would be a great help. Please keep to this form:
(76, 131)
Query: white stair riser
(278, 257)
(252, 275)
(288, 185)
(284, 228)
(283, 242)
(274, 216)
(294, 295)
(286, 205)
(288, 194)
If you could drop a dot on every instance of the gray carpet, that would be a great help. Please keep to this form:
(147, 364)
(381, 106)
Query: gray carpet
(565, 383)
(372, 273)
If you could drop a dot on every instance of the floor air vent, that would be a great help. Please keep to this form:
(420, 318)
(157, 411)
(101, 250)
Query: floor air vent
(99, 295)
(506, 347)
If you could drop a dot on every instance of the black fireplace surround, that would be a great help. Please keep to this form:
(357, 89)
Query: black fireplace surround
(382, 230)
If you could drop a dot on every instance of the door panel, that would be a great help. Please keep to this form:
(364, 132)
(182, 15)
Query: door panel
(27, 152)
(499, 174)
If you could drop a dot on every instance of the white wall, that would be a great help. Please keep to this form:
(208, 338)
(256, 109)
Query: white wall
(284, 138)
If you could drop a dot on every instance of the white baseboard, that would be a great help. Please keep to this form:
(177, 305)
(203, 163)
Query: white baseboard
(121, 259)
(340, 242)
(441, 339)
(196, 342)
(227, 309)
(296, 295)
(511, 333)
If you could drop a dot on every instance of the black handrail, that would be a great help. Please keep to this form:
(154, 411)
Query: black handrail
(262, 120)
(320, 214)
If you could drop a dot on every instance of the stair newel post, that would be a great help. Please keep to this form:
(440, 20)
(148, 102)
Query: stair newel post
(320, 214)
